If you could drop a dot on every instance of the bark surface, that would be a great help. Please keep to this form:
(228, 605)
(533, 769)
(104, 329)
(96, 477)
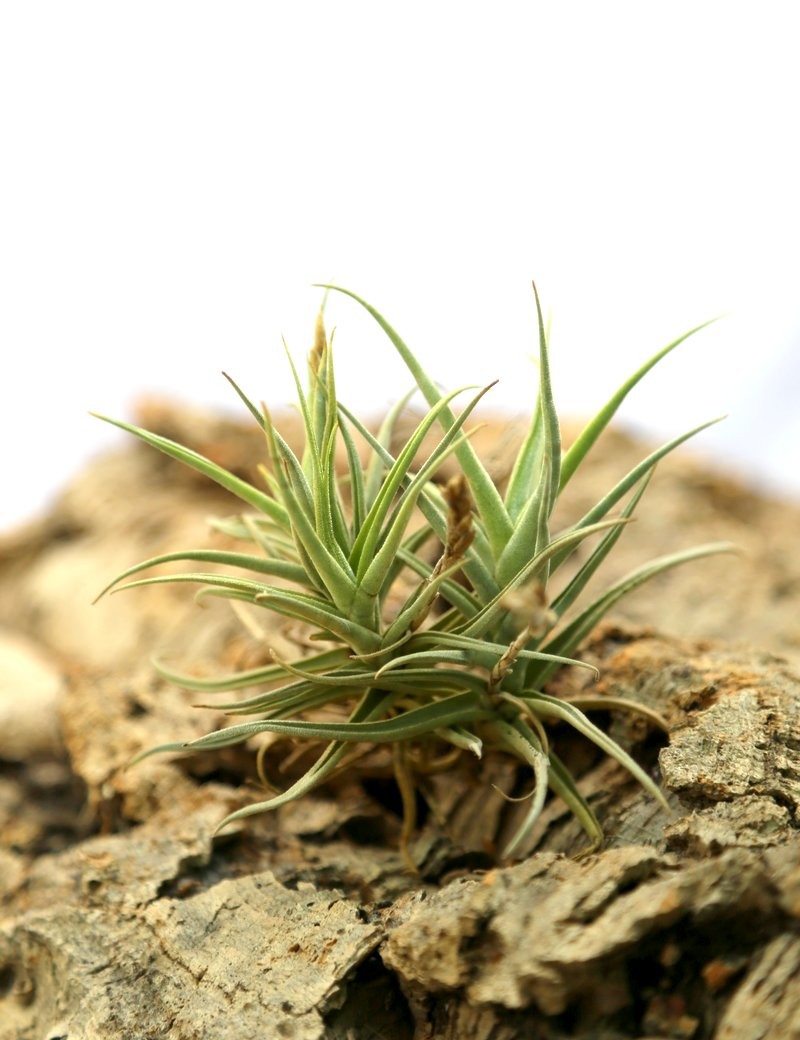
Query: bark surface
(124, 916)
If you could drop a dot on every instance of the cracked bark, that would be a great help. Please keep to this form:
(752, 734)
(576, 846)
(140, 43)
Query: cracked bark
(124, 917)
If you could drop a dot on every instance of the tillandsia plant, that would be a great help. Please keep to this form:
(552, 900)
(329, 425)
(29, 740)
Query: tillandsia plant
(417, 648)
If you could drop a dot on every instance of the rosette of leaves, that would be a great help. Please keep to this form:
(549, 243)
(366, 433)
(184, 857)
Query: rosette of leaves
(450, 646)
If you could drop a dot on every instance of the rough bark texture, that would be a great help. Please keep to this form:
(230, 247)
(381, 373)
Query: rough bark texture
(123, 916)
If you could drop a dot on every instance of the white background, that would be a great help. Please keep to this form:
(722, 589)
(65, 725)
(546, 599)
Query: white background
(175, 175)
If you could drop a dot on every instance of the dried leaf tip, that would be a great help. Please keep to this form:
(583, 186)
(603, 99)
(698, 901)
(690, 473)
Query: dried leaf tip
(320, 344)
(460, 526)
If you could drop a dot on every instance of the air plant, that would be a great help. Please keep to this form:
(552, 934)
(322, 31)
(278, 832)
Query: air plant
(416, 648)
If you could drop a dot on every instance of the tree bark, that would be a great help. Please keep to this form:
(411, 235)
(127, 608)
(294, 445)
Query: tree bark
(682, 926)
(125, 916)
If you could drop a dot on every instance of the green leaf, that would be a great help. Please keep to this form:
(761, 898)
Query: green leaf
(259, 418)
(598, 511)
(567, 597)
(487, 498)
(201, 464)
(481, 653)
(275, 542)
(249, 589)
(455, 710)
(527, 466)
(287, 602)
(586, 439)
(372, 578)
(535, 476)
(522, 742)
(417, 606)
(364, 546)
(275, 568)
(477, 564)
(462, 738)
(531, 532)
(454, 593)
(290, 700)
(252, 676)
(547, 406)
(321, 436)
(380, 461)
(319, 613)
(565, 641)
(530, 529)
(564, 785)
(374, 704)
(494, 610)
(308, 694)
(323, 552)
(358, 498)
(550, 707)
